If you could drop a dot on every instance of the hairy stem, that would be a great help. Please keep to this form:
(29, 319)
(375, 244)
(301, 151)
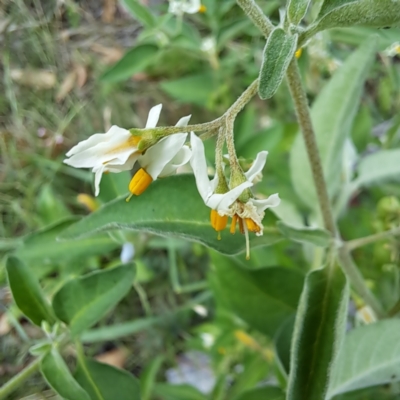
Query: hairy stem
(15, 382)
(354, 244)
(254, 12)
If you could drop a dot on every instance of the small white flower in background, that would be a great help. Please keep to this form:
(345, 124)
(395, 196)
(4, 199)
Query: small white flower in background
(117, 151)
(178, 7)
(248, 215)
(392, 50)
(127, 253)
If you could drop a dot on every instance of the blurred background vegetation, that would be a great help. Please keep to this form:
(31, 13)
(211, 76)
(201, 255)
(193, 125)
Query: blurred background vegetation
(59, 86)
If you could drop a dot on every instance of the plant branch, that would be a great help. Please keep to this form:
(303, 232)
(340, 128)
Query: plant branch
(354, 244)
(254, 12)
(15, 382)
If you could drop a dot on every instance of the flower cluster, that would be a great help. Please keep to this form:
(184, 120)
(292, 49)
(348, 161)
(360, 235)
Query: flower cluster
(119, 150)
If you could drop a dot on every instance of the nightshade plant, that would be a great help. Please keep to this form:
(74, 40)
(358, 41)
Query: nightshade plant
(324, 362)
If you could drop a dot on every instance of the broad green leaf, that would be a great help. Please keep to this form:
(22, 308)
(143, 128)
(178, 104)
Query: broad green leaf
(141, 12)
(318, 333)
(148, 377)
(282, 342)
(114, 185)
(83, 301)
(105, 382)
(296, 10)
(263, 393)
(27, 293)
(373, 13)
(40, 250)
(263, 298)
(332, 116)
(329, 5)
(196, 89)
(278, 52)
(178, 392)
(58, 376)
(316, 236)
(134, 61)
(370, 356)
(169, 207)
(378, 167)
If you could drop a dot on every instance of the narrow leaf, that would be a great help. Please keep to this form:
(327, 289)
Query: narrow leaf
(370, 356)
(296, 10)
(148, 377)
(104, 382)
(27, 293)
(332, 116)
(263, 298)
(134, 61)
(140, 12)
(181, 213)
(58, 376)
(278, 52)
(263, 393)
(319, 329)
(378, 167)
(372, 13)
(178, 392)
(82, 302)
(315, 236)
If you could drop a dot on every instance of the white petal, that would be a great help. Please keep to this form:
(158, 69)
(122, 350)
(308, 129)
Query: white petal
(257, 165)
(270, 202)
(181, 158)
(183, 121)
(98, 173)
(199, 166)
(154, 115)
(159, 155)
(228, 198)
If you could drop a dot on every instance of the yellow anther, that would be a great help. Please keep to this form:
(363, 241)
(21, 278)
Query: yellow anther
(298, 53)
(140, 182)
(233, 224)
(251, 225)
(218, 222)
(202, 9)
(88, 201)
(246, 339)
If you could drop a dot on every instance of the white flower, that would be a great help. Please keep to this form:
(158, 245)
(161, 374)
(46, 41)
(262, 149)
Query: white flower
(249, 214)
(178, 7)
(117, 151)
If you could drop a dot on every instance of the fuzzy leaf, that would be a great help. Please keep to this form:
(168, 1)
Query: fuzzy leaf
(319, 329)
(296, 10)
(27, 293)
(278, 52)
(81, 302)
(370, 356)
(315, 236)
(170, 207)
(58, 376)
(140, 12)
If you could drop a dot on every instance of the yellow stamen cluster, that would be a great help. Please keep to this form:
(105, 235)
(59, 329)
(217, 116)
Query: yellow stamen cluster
(139, 183)
(202, 9)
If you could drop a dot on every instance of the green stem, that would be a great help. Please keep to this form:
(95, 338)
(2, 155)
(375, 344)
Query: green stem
(15, 382)
(354, 244)
(254, 12)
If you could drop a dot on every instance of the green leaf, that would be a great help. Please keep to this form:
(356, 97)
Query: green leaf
(82, 302)
(332, 116)
(263, 298)
(263, 393)
(41, 249)
(178, 392)
(378, 167)
(27, 293)
(370, 356)
(329, 5)
(104, 382)
(196, 89)
(134, 61)
(114, 185)
(315, 236)
(318, 333)
(278, 52)
(373, 13)
(296, 10)
(141, 13)
(181, 213)
(148, 377)
(58, 376)
(282, 342)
